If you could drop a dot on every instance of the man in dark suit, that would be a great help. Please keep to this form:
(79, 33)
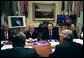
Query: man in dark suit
(51, 33)
(72, 27)
(31, 33)
(67, 48)
(6, 34)
(19, 52)
(18, 49)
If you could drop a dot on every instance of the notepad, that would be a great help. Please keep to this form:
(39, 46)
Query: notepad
(80, 41)
(7, 47)
(28, 47)
(53, 50)
(3, 42)
(54, 43)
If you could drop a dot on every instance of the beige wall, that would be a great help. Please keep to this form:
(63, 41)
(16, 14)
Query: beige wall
(36, 23)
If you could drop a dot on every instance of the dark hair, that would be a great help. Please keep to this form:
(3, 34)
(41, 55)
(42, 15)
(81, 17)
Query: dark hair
(51, 23)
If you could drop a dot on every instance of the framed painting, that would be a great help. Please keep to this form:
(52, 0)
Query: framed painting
(43, 11)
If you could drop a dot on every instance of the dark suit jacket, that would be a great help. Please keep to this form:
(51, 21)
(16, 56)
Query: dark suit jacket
(19, 52)
(68, 49)
(55, 35)
(74, 34)
(34, 35)
(10, 35)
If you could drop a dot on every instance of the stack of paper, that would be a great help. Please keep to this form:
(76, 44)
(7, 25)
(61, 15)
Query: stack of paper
(7, 47)
(2, 42)
(80, 41)
(53, 50)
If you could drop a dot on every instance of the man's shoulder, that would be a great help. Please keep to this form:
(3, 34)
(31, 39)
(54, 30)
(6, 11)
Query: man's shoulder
(27, 50)
(67, 44)
(46, 31)
(27, 31)
(35, 31)
(23, 48)
(64, 44)
(2, 30)
(55, 31)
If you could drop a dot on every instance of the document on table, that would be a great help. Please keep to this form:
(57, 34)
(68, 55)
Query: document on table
(53, 50)
(54, 43)
(7, 47)
(2, 42)
(80, 41)
(28, 47)
(10, 47)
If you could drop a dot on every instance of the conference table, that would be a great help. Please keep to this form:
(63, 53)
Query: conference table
(43, 47)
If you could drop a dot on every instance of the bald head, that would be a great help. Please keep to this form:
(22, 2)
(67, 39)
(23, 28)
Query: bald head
(72, 27)
(5, 27)
(31, 28)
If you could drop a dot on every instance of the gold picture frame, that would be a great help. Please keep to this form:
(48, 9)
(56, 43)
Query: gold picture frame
(43, 11)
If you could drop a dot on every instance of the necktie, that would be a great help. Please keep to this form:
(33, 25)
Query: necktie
(31, 33)
(50, 33)
(6, 35)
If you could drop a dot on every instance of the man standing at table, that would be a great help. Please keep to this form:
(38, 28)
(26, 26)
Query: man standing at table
(50, 33)
(6, 34)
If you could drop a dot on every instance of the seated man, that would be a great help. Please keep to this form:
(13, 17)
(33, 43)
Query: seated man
(6, 34)
(18, 49)
(50, 33)
(31, 33)
(67, 48)
(72, 27)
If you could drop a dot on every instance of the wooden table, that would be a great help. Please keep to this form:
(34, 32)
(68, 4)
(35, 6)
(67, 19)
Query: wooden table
(43, 49)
